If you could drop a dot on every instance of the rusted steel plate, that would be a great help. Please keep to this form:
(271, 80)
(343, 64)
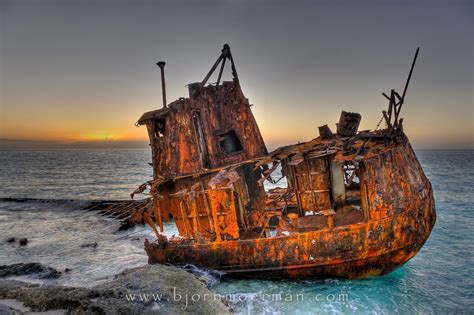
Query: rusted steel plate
(362, 250)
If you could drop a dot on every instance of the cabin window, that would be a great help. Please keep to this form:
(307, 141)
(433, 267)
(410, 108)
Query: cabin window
(351, 179)
(352, 183)
(159, 128)
(229, 142)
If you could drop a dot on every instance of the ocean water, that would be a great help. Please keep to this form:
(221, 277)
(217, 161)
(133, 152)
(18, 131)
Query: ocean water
(438, 280)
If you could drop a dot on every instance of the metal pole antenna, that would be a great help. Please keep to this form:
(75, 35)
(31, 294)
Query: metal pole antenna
(161, 64)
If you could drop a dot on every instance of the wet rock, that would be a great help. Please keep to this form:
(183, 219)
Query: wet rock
(126, 225)
(91, 245)
(150, 289)
(36, 269)
(23, 241)
(11, 240)
(67, 270)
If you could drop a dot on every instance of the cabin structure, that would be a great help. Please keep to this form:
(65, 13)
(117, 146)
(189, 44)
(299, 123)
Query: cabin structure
(193, 139)
(210, 163)
(356, 203)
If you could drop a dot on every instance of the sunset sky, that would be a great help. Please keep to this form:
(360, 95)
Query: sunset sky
(78, 71)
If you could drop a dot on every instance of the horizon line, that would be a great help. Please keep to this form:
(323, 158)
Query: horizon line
(44, 144)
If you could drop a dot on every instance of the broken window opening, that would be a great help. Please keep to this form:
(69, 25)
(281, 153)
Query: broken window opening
(229, 142)
(159, 128)
(352, 183)
(351, 178)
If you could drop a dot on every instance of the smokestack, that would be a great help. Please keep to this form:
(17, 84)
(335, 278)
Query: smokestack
(161, 64)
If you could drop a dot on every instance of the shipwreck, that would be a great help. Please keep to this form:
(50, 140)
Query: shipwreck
(357, 203)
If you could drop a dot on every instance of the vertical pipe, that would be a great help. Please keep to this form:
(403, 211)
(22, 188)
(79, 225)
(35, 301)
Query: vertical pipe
(161, 64)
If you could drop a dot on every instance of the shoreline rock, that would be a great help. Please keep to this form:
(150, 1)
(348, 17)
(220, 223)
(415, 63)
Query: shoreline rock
(36, 269)
(91, 245)
(149, 289)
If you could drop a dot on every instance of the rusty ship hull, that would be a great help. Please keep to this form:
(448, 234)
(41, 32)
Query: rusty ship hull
(350, 254)
(356, 204)
(360, 250)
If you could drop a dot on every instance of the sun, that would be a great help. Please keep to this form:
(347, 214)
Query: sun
(98, 136)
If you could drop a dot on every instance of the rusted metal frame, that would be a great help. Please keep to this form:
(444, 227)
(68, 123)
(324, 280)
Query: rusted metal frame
(185, 216)
(317, 190)
(225, 54)
(297, 191)
(396, 110)
(128, 207)
(264, 227)
(93, 207)
(286, 195)
(278, 180)
(178, 194)
(409, 75)
(391, 104)
(143, 207)
(208, 208)
(234, 71)
(216, 225)
(310, 180)
(184, 219)
(240, 204)
(194, 217)
(313, 153)
(213, 68)
(392, 109)
(400, 99)
(396, 121)
(157, 210)
(200, 139)
(220, 72)
(151, 134)
(150, 222)
(387, 117)
(397, 106)
(215, 170)
(111, 209)
(328, 171)
(123, 215)
(269, 173)
(218, 100)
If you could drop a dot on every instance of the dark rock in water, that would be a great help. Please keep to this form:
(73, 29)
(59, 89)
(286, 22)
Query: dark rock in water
(37, 269)
(91, 245)
(23, 241)
(126, 225)
(168, 291)
(67, 270)
(10, 240)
